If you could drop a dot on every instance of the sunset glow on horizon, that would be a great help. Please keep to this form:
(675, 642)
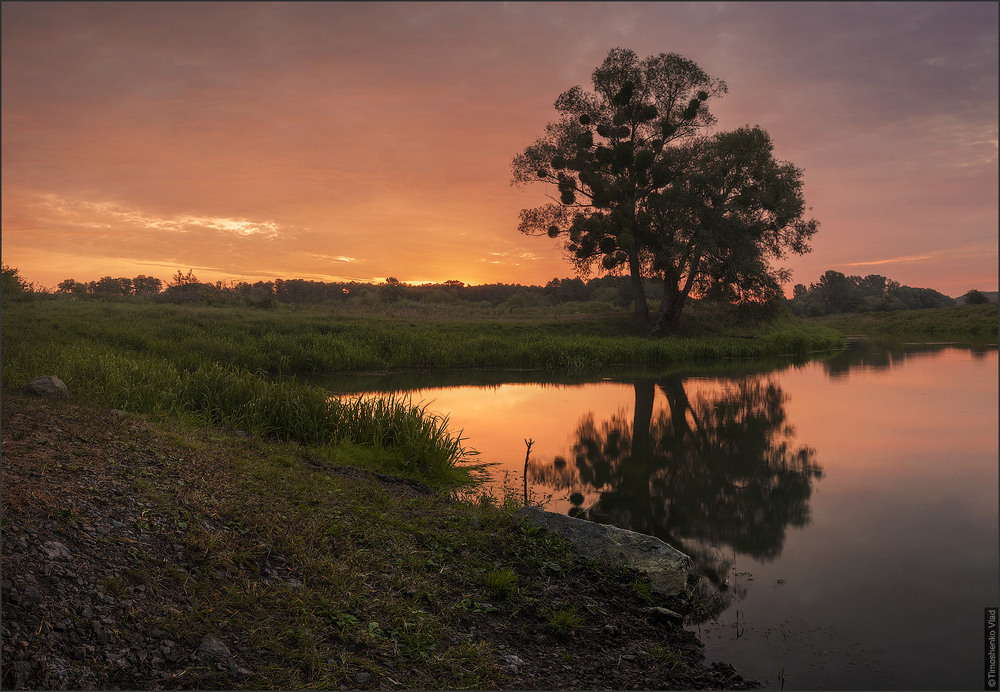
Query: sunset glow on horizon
(357, 141)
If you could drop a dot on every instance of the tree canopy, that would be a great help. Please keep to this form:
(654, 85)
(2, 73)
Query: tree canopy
(638, 187)
(836, 292)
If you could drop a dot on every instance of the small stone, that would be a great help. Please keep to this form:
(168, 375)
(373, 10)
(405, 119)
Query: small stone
(362, 678)
(47, 385)
(21, 671)
(55, 549)
(32, 593)
(665, 613)
(513, 662)
(210, 644)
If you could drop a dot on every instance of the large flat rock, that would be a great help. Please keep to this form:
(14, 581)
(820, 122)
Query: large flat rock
(667, 567)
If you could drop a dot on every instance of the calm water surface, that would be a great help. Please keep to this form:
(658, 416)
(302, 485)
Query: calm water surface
(842, 513)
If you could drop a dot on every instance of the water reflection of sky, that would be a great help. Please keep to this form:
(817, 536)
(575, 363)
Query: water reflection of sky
(871, 571)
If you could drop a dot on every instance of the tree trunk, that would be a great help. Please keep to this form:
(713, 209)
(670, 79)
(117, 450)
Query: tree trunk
(642, 418)
(673, 299)
(672, 387)
(670, 310)
(640, 312)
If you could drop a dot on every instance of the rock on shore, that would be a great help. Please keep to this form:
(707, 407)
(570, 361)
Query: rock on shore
(667, 567)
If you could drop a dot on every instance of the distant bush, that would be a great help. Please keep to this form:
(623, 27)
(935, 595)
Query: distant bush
(975, 297)
(13, 286)
(837, 293)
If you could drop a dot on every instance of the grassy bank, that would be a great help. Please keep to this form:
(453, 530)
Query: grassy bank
(314, 574)
(967, 321)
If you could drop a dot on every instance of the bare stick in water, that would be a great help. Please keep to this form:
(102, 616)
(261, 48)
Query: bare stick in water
(527, 454)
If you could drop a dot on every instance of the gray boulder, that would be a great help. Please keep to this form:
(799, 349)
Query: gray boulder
(668, 568)
(47, 385)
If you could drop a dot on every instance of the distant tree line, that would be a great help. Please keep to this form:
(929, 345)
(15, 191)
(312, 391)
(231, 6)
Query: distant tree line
(187, 288)
(836, 292)
(111, 287)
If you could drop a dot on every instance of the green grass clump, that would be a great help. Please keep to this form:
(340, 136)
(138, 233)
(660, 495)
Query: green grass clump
(563, 621)
(665, 656)
(501, 583)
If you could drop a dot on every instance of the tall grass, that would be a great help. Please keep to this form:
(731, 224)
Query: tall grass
(417, 442)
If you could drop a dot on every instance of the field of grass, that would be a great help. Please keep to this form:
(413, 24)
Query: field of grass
(967, 321)
(317, 340)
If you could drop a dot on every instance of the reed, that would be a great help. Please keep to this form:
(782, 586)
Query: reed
(415, 442)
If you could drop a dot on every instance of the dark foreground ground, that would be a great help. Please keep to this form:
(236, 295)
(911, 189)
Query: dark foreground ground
(107, 584)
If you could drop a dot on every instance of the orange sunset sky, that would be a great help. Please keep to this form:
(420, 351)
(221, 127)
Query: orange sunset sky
(355, 141)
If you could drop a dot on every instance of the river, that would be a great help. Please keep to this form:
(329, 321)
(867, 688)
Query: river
(843, 511)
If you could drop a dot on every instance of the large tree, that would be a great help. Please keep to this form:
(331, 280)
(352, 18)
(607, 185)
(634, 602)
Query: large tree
(638, 187)
(717, 226)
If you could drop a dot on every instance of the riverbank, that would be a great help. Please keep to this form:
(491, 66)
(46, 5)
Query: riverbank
(147, 554)
(197, 519)
(963, 322)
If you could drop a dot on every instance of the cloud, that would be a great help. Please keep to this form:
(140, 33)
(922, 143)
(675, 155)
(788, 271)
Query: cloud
(112, 216)
(337, 258)
(963, 252)
(892, 260)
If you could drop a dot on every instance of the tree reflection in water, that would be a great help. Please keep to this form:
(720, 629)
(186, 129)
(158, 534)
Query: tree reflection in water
(719, 469)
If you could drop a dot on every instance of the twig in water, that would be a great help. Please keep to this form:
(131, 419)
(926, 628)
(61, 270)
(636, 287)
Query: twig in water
(527, 454)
